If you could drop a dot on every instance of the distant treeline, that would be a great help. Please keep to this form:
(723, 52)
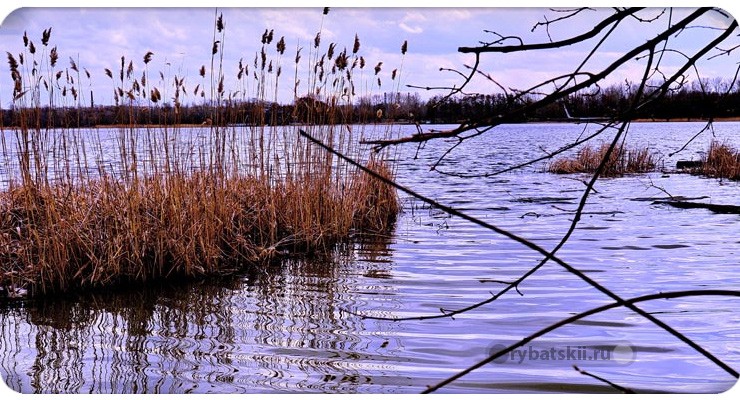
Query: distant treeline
(699, 100)
(246, 113)
(303, 110)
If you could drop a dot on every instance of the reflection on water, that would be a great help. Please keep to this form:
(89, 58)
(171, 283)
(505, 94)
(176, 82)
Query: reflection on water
(282, 328)
(275, 329)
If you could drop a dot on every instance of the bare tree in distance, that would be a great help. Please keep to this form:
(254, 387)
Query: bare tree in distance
(657, 78)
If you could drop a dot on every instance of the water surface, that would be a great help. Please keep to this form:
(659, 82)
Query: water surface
(284, 328)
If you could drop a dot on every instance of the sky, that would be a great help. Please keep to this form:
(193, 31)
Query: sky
(181, 41)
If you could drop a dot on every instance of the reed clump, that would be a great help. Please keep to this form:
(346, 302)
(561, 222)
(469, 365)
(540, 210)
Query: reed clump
(56, 238)
(85, 208)
(376, 204)
(721, 161)
(621, 161)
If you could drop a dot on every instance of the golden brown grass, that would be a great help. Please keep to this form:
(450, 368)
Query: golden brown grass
(621, 161)
(56, 237)
(87, 211)
(722, 161)
(375, 204)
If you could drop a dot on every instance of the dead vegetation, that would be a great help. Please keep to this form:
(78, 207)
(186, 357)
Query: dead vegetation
(621, 161)
(84, 208)
(721, 161)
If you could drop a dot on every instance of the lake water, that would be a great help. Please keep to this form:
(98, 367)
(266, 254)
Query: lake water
(285, 329)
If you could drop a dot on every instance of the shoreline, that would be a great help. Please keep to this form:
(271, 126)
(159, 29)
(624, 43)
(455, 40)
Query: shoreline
(555, 121)
(719, 119)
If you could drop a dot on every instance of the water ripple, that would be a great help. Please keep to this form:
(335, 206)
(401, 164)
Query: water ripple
(283, 329)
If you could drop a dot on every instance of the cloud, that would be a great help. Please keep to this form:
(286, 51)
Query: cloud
(410, 29)
(296, 24)
(409, 20)
(118, 37)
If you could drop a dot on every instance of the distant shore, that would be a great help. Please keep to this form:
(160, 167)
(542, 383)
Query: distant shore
(150, 126)
(719, 119)
(405, 122)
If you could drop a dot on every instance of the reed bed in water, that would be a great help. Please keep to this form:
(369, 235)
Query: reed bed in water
(621, 161)
(721, 161)
(81, 209)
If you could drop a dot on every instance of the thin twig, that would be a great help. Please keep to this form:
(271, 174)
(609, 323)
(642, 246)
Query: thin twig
(608, 382)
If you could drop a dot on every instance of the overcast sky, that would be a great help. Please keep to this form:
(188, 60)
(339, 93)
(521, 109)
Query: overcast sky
(182, 38)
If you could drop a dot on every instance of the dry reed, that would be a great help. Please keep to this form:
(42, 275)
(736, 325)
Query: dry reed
(621, 161)
(231, 197)
(721, 161)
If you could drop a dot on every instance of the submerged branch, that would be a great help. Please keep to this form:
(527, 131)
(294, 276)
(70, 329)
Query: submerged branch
(717, 208)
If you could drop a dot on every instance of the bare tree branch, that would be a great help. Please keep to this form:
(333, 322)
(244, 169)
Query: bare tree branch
(652, 96)
(706, 127)
(569, 14)
(571, 229)
(558, 95)
(565, 85)
(531, 245)
(618, 16)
